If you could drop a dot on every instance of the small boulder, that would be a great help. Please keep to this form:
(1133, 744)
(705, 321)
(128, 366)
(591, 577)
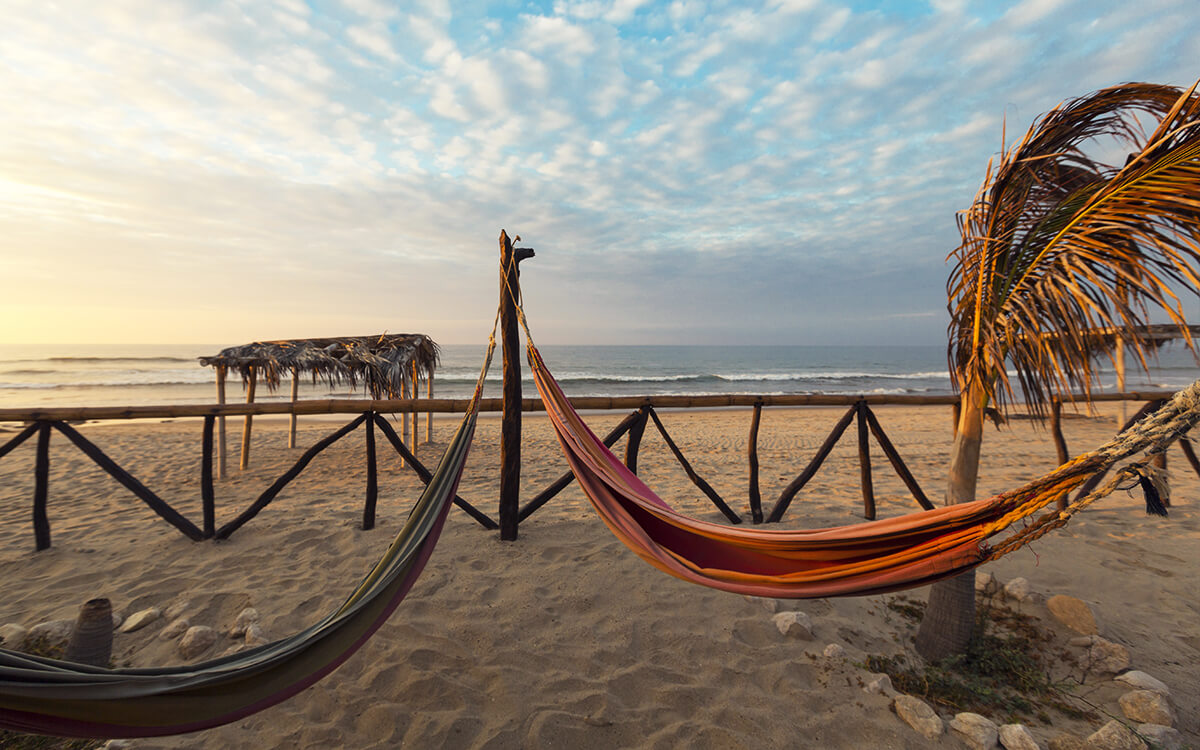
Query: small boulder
(175, 629)
(1074, 613)
(1143, 681)
(1115, 736)
(1017, 737)
(879, 684)
(117, 619)
(13, 635)
(979, 732)
(986, 583)
(1147, 707)
(245, 618)
(1161, 737)
(139, 620)
(794, 625)
(1018, 589)
(53, 634)
(196, 641)
(835, 651)
(254, 636)
(1103, 656)
(918, 715)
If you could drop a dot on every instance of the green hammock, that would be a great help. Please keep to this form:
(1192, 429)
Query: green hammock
(50, 696)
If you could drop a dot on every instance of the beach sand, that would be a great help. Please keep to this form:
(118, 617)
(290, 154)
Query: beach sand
(565, 638)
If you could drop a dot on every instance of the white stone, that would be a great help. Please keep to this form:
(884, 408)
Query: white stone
(175, 629)
(139, 620)
(117, 619)
(197, 640)
(1103, 656)
(1115, 736)
(835, 651)
(116, 745)
(986, 583)
(1162, 737)
(769, 604)
(918, 715)
(794, 625)
(979, 732)
(235, 648)
(879, 684)
(254, 635)
(13, 636)
(1017, 737)
(1074, 613)
(1143, 681)
(1019, 589)
(245, 618)
(1147, 707)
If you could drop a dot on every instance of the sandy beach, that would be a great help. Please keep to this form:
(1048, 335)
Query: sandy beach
(564, 638)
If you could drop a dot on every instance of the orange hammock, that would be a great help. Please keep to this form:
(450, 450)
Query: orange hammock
(867, 558)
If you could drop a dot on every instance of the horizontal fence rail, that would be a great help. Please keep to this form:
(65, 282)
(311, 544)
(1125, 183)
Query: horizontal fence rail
(459, 405)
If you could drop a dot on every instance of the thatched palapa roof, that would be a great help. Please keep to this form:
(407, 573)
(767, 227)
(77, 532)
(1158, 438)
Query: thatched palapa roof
(382, 364)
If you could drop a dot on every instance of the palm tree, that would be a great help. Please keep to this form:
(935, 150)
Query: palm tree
(1057, 243)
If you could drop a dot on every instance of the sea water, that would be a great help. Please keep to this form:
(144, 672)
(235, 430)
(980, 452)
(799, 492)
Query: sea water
(107, 375)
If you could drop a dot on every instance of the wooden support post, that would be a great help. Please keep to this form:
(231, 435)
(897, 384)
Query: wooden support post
(429, 415)
(756, 513)
(249, 422)
(295, 398)
(864, 463)
(416, 440)
(1190, 454)
(207, 497)
(697, 480)
(898, 464)
(1060, 444)
(1120, 366)
(510, 426)
(368, 521)
(221, 453)
(41, 479)
(789, 492)
(635, 440)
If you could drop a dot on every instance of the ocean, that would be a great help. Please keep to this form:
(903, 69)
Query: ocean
(108, 375)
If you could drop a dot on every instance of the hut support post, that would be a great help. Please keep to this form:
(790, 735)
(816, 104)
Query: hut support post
(221, 423)
(295, 398)
(249, 419)
(404, 421)
(1120, 367)
(1060, 443)
(510, 426)
(756, 513)
(41, 473)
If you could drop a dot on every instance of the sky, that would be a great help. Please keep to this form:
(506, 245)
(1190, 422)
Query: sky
(786, 172)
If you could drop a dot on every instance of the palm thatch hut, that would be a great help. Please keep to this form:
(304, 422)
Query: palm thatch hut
(385, 366)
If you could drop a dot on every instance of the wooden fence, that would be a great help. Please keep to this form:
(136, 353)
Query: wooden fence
(42, 421)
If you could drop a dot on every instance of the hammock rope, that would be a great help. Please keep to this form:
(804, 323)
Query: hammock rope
(51, 696)
(867, 558)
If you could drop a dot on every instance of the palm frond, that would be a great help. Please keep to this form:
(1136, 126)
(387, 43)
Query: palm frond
(1057, 244)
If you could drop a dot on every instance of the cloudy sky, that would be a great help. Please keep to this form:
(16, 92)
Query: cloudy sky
(688, 172)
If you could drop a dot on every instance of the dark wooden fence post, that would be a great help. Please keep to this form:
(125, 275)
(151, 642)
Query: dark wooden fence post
(207, 496)
(1060, 443)
(41, 474)
(635, 440)
(510, 426)
(864, 462)
(756, 513)
(368, 521)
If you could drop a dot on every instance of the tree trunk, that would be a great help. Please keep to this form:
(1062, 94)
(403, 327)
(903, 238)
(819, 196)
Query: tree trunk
(950, 615)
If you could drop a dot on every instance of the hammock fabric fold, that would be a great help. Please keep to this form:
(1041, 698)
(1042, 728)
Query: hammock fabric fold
(49, 696)
(868, 558)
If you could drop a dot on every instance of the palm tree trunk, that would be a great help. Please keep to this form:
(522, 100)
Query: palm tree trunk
(950, 615)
